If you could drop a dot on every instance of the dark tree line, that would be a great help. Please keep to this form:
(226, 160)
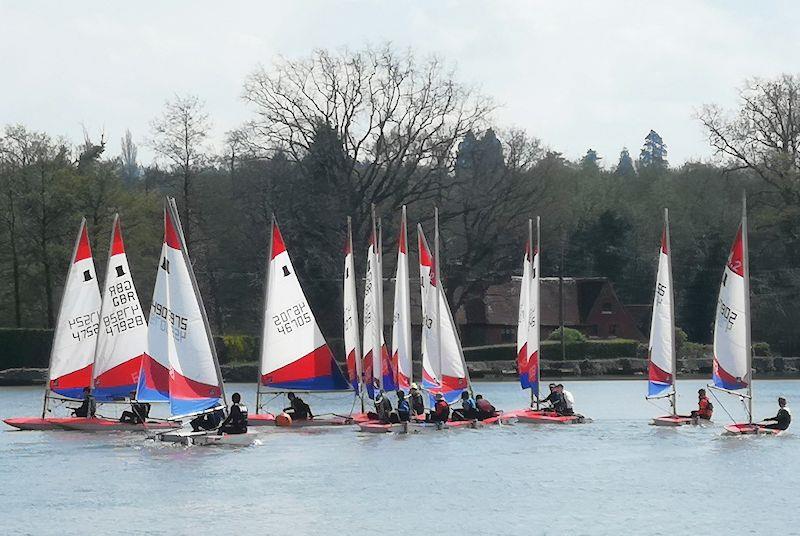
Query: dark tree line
(333, 133)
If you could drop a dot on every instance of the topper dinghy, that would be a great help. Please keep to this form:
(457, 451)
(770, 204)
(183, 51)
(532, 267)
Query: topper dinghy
(294, 354)
(661, 357)
(179, 334)
(74, 340)
(732, 367)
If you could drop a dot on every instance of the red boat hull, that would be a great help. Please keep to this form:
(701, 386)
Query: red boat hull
(38, 423)
(110, 425)
(671, 420)
(739, 429)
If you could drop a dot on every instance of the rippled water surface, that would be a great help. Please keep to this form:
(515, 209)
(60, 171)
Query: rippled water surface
(616, 475)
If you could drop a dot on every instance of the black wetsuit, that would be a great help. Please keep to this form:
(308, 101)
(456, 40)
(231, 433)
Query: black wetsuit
(299, 410)
(139, 413)
(87, 407)
(236, 423)
(783, 420)
(557, 402)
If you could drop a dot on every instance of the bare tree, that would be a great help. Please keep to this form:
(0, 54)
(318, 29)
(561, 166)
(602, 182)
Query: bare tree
(763, 135)
(398, 120)
(179, 136)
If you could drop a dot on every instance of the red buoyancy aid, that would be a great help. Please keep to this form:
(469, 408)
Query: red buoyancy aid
(705, 408)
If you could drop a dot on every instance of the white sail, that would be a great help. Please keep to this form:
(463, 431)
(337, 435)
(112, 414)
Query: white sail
(76, 330)
(294, 353)
(122, 340)
(373, 330)
(533, 355)
(661, 354)
(428, 297)
(401, 331)
(195, 384)
(731, 348)
(522, 322)
(352, 344)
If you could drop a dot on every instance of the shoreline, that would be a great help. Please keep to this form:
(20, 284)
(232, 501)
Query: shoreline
(500, 371)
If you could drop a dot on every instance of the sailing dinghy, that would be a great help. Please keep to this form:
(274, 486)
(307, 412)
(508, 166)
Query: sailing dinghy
(179, 334)
(444, 370)
(732, 367)
(662, 363)
(74, 340)
(121, 343)
(401, 331)
(528, 339)
(294, 354)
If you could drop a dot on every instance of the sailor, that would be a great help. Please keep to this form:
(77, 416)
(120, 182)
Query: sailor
(782, 420)
(207, 421)
(569, 401)
(468, 410)
(417, 400)
(383, 407)
(704, 406)
(484, 407)
(236, 422)
(139, 412)
(555, 398)
(298, 410)
(441, 410)
(403, 407)
(87, 407)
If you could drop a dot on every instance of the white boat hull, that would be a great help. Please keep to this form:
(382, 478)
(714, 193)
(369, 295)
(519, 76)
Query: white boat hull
(206, 438)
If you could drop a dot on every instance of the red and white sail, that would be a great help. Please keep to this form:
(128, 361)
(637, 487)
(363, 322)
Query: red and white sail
(522, 322)
(401, 331)
(76, 330)
(352, 344)
(122, 340)
(154, 373)
(294, 353)
(661, 354)
(444, 368)
(731, 328)
(373, 343)
(195, 384)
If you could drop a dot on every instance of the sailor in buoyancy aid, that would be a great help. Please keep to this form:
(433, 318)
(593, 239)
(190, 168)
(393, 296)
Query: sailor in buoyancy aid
(705, 409)
(236, 422)
(441, 410)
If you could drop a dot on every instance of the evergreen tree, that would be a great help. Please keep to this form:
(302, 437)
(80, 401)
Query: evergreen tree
(625, 165)
(591, 161)
(654, 151)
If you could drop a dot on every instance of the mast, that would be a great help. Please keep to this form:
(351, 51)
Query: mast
(102, 294)
(748, 338)
(438, 289)
(532, 253)
(264, 314)
(674, 395)
(46, 398)
(377, 347)
(199, 298)
(537, 278)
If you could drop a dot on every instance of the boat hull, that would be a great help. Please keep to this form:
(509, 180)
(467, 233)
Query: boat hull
(110, 425)
(207, 438)
(38, 423)
(531, 416)
(377, 427)
(267, 419)
(671, 421)
(739, 429)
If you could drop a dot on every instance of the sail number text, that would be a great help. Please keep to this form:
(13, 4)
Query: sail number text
(292, 317)
(123, 319)
(727, 314)
(177, 324)
(85, 326)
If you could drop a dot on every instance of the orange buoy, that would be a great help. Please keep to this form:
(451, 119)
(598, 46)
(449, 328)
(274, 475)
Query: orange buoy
(284, 419)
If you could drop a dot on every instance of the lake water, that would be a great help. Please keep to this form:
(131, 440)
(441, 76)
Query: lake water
(616, 475)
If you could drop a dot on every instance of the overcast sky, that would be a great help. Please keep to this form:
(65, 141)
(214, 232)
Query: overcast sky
(575, 74)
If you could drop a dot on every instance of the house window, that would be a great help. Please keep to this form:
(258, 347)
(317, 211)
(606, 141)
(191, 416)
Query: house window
(607, 308)
(612, 330)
